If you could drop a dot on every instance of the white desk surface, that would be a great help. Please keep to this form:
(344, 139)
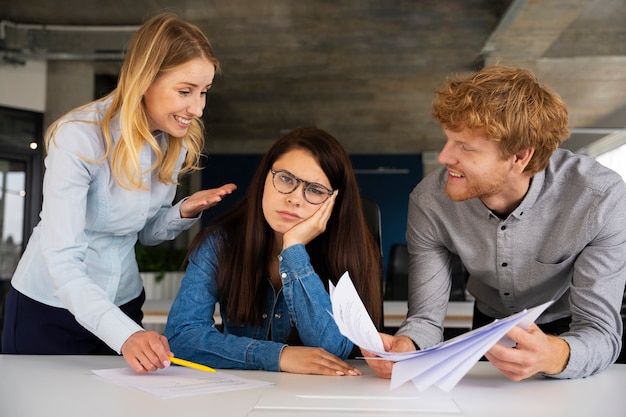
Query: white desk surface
(64, 386)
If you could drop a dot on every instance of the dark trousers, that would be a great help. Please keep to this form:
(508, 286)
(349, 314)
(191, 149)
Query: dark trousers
(555, 327)
(31, 327)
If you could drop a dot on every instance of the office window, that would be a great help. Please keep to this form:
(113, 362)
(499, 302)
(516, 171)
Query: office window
(20, 187)
(12, 197)
(610, 151)
(615, 159)
(21, 152)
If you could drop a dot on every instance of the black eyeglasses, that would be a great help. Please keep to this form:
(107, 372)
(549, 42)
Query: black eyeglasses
(286, 183)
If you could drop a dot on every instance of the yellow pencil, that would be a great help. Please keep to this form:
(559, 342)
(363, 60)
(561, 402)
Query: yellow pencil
(192, 365)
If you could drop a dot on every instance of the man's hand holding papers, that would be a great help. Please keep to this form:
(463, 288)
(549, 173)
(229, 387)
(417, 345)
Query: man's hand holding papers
(536, 352)
(442, 365)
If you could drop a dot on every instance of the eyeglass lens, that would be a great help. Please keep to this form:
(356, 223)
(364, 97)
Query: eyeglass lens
(285, 182)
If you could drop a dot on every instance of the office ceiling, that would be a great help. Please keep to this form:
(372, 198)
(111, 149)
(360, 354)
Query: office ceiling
(365, 70)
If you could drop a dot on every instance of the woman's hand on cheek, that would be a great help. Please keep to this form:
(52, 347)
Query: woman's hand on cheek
(310, 228)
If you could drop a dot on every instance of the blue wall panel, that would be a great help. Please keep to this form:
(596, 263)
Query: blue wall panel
(389, 179)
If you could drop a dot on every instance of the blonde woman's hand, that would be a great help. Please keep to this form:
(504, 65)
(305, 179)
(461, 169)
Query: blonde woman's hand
(202, 200)
(314, 361)
(309, 229)
(146, 351)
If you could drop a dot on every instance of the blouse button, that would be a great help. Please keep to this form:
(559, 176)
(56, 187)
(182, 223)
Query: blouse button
(280, 258)
(264, 316)
(283, 275)
(276, 316)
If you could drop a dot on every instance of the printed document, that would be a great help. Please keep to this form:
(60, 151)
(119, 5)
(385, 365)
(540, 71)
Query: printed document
(178, 381)
(442, 365)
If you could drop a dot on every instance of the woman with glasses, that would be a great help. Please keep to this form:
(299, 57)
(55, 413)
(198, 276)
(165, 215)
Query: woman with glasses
(267, 262)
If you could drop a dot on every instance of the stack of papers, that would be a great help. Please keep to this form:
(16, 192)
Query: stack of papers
(176, 381)
(442, 365)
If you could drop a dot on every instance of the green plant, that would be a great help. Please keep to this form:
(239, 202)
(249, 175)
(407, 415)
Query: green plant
(159, 259)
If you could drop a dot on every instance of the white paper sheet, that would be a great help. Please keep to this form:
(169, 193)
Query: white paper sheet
(178, 381)
(442, 365)
(351, 315)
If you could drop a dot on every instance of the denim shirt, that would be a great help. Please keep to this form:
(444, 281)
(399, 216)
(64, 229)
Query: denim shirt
(302, 303)
(81, 255)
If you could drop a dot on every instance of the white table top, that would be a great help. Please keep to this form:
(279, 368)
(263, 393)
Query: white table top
(64, 386)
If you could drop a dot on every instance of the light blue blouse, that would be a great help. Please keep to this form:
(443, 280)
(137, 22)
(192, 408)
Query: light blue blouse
(302, 304)
(81, 256)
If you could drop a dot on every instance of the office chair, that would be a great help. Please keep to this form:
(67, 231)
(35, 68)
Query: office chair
(396, 284)
(459, 279)
(371, 211)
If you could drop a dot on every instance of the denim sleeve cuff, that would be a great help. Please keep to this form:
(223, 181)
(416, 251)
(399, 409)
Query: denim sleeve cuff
(296, 259)
(264, 355)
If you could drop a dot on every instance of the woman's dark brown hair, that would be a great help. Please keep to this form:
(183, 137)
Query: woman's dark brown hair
(247, 239)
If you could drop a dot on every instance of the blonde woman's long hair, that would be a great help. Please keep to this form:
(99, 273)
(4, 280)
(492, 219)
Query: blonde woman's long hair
(159, 45)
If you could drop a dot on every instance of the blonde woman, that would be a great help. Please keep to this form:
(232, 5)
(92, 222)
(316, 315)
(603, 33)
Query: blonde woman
(112, 168)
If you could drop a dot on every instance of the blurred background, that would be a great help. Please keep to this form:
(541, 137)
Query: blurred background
(363, 70)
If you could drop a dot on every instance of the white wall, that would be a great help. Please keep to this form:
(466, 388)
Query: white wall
(24, 86)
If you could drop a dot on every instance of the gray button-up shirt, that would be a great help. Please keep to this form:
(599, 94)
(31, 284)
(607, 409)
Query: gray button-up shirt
(566, 242)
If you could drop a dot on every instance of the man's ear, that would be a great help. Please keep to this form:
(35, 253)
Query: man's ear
(522, 158)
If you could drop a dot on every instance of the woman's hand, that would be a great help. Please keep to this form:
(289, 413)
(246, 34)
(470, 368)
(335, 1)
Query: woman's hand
(146, 351)
(309, 229)
(204, 199)
(315, 361)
